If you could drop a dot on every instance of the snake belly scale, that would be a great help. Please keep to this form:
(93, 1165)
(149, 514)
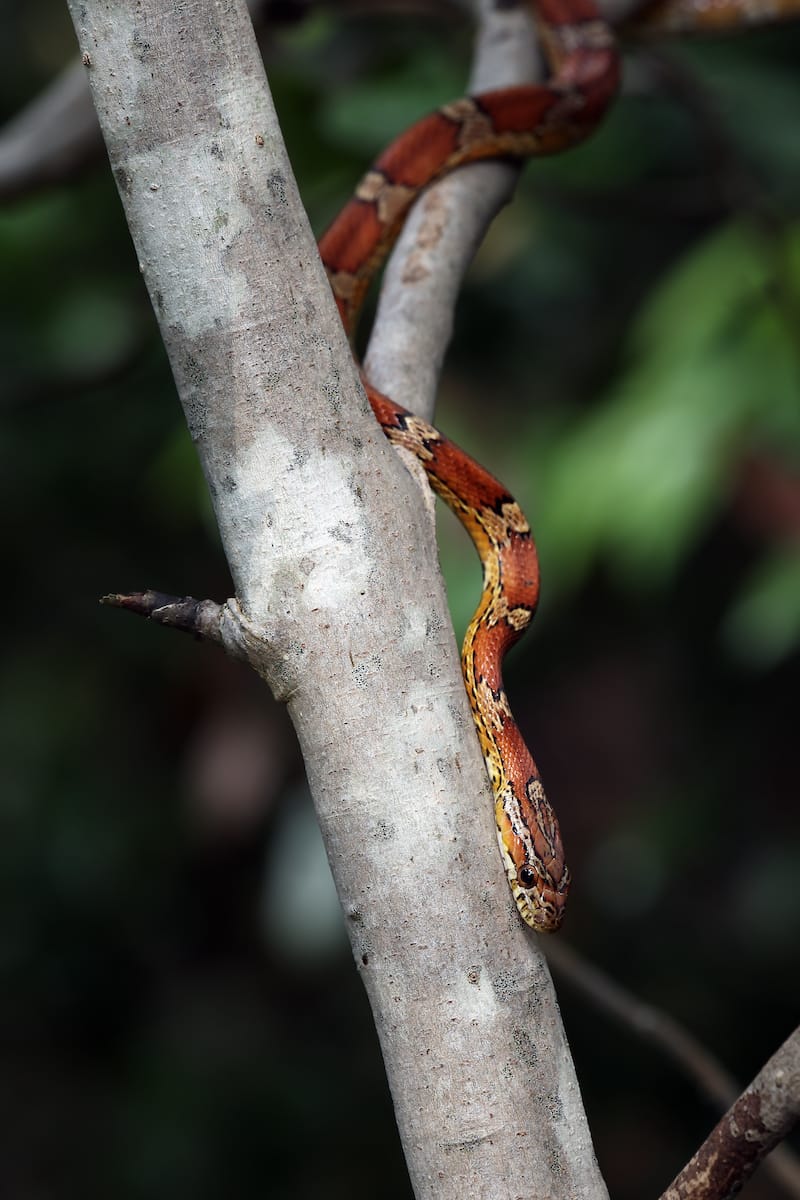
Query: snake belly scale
(516, 122)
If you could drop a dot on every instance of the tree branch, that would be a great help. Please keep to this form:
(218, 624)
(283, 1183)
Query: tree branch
(204, 619)
(662, 1031)
(50, 140)
(414, 318)
(761, 1117)
(423, 277)
(340, 605)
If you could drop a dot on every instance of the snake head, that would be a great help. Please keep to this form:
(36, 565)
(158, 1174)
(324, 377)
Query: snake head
(540, 900)
(530, 843)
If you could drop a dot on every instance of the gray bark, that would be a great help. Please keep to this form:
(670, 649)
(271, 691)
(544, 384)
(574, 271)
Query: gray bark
(339, 602)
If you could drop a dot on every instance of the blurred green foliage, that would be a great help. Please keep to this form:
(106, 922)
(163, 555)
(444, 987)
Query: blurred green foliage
(712, 368)
(626, 359)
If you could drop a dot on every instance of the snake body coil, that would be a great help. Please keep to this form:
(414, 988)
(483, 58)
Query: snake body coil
(516, 122)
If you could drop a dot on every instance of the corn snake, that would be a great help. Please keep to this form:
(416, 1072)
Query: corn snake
(513, 123)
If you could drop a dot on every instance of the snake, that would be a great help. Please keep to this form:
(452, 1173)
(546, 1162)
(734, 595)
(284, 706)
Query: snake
(514, 122)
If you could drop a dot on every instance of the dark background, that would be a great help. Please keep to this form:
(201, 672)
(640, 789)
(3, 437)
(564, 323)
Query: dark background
(175, 1019)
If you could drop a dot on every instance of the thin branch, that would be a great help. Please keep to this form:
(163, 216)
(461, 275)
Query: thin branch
(52, 139)
(423, 277)
(414, 318)
(201, 618)
(225, 625)
(762, 1116)
(645, 1021)
(662, 1031)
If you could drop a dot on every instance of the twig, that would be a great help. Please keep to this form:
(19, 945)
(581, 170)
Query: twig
(662, 1031)
(199, 617)
(414, 319)
(760, 1118)
(223, 624)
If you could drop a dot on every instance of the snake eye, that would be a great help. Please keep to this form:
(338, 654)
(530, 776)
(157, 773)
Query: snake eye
(527, 877)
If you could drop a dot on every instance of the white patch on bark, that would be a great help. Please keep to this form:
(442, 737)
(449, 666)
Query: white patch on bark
(333, 563)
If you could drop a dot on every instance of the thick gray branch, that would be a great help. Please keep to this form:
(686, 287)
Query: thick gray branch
(339, 602)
